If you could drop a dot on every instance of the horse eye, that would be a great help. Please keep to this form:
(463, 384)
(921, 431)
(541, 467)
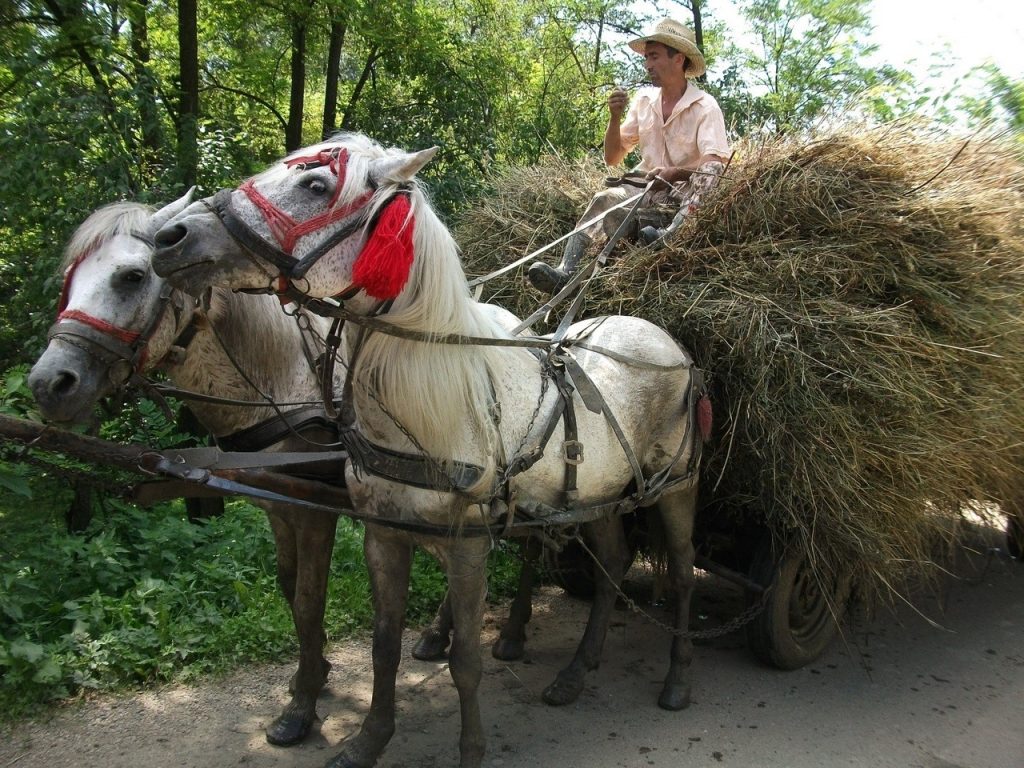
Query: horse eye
(132, 276)
(315, 185)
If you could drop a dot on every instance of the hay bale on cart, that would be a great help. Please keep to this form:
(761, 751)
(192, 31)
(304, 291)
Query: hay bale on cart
(856, 301)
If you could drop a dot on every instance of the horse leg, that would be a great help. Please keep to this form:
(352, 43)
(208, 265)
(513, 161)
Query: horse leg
(434, 639)
(286, 555)
(465, 564)
(607, 541)
(677, 510)
(313, 536)
(388, 562)
(510, 644)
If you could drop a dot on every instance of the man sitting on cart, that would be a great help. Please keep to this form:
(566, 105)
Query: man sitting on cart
(681, 135)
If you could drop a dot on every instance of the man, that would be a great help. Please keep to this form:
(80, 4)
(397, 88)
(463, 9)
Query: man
(680, 131)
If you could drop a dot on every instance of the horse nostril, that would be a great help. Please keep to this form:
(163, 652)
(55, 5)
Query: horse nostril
(63, 384)
(170, 235)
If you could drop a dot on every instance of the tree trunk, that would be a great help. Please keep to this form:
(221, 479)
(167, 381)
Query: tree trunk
(698, 33)
(333, 70)
(349, 117)
(296, 103)
(145, 84)
(188, 111)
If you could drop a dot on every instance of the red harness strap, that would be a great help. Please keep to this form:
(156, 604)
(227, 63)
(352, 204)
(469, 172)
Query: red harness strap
(114, 331)
(286, 230)
(383, 266)
(119, 333)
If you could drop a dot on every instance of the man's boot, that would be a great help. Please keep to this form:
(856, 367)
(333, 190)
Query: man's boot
(551, 279)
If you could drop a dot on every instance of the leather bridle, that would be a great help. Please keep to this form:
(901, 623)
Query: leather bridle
(109, 343)
(287, 231)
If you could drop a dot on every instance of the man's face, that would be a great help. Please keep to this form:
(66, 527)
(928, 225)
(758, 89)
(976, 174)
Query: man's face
(660, 65)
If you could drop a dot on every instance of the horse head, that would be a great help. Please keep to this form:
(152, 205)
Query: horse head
(112, 318)
(333, 219)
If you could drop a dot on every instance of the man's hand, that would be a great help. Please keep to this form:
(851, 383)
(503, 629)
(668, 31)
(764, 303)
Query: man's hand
(670, 174)
(618, 100)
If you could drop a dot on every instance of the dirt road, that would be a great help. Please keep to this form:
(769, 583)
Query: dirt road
(895, 692)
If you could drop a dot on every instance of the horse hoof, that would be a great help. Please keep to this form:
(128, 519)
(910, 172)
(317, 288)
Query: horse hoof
(563, 691)
(289, 728)
(430, 647)
(505, 649)
(341, 760)
(674, 697)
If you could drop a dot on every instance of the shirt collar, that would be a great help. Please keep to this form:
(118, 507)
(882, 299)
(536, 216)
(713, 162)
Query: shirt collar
(690, 96)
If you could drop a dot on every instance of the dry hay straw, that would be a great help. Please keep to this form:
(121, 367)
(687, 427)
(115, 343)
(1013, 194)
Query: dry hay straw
(856, 302)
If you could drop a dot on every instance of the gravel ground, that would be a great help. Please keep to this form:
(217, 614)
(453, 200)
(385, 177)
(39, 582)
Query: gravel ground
(896, 690)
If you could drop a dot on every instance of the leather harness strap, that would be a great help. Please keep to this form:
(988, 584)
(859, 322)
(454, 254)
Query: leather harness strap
(277, 428)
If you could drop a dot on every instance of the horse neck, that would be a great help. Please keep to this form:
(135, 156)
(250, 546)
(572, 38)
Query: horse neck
(267, 347)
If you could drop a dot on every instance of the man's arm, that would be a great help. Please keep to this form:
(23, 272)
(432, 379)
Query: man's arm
(675, 175)
(614, 149)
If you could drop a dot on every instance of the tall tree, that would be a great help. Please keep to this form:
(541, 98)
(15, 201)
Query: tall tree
(145, 82)
(809, 60)
(297, 98)
(335, 46)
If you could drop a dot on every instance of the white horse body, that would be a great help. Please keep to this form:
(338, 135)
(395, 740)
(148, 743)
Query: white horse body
(516, 375)
(452, 402)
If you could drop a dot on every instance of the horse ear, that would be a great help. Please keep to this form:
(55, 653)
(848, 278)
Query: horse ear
(399, 168)
(170, 210)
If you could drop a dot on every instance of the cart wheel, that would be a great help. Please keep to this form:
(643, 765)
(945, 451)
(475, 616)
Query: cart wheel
(798, 623)
(1015, 537)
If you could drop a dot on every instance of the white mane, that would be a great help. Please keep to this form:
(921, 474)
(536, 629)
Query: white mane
(107, 222)
(434, 388)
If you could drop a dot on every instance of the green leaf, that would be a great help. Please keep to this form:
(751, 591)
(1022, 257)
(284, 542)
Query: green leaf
(49, 672)
(15, 483)
(27, 650)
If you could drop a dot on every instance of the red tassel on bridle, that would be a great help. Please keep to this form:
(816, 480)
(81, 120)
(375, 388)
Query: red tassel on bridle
(382, 268)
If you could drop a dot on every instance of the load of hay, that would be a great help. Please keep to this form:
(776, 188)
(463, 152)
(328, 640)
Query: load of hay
(856, 302)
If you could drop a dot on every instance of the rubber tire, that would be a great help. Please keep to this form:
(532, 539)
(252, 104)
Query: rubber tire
(797, 625)
(1015, 537)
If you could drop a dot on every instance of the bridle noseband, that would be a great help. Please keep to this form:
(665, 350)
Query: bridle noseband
(287, 231)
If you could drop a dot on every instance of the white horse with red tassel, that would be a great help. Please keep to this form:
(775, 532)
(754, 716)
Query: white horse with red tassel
(448, 432)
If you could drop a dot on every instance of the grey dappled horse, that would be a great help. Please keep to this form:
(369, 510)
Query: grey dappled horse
(347, 219)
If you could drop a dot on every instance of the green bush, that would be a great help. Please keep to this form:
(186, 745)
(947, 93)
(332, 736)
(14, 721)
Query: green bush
(146, 596)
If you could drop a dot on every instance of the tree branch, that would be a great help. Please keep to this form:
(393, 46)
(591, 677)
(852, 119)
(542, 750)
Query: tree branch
(245, 94)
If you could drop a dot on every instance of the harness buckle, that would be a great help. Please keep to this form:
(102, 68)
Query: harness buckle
(572, 452)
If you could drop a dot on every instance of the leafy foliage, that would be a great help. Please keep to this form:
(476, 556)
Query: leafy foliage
(147, 596)
(809, 64)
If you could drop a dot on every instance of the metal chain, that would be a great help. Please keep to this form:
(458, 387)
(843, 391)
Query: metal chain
(742, 619)
(506, 476)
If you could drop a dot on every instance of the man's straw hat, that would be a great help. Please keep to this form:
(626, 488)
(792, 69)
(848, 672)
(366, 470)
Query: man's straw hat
(678, 36)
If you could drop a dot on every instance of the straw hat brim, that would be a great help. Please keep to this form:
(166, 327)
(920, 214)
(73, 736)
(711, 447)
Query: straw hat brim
(695, 66)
